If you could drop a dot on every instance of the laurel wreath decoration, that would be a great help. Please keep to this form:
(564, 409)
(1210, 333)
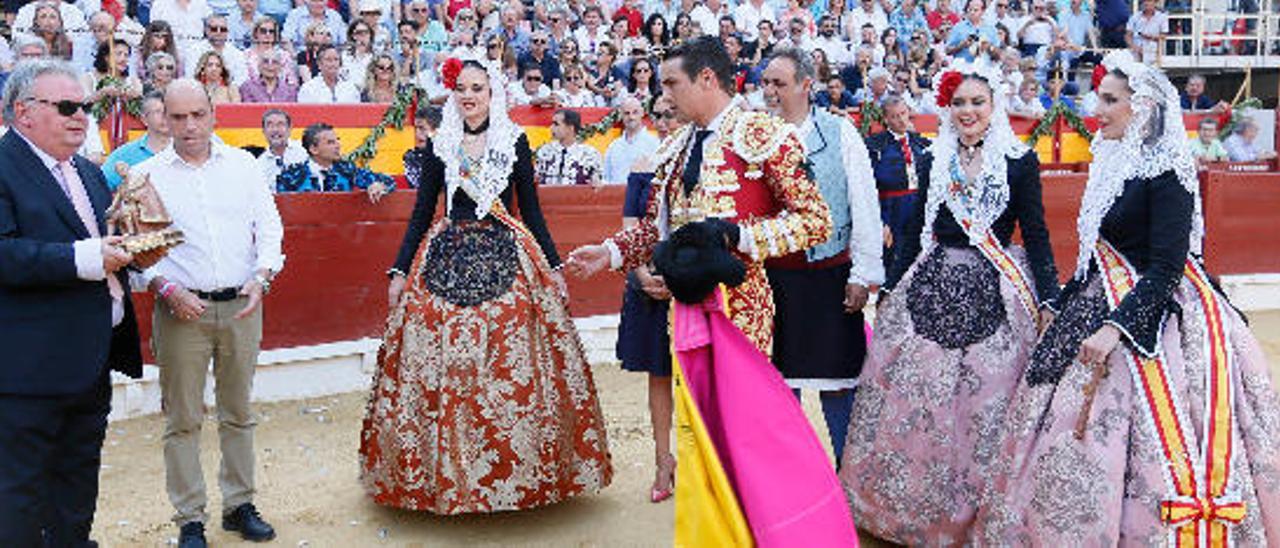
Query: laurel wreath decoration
(393, 117)
(611, 119)
(871, 112)
(1058, 109)
(102, 108)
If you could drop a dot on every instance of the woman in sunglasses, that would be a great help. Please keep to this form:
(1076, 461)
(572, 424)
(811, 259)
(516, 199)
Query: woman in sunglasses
(482, 400)
(162, 68)
(381, 80)
(575, 94)
(266, 37)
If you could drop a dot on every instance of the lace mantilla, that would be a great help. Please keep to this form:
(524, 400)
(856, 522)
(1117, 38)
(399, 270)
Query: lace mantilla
(1154, 142)
(983, 200)
(485, 184)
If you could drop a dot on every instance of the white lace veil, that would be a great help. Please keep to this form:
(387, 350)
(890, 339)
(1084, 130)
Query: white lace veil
(1155, 141)
(990, 194)
(484, 186)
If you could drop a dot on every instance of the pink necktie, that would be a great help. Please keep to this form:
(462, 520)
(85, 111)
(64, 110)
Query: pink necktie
(74, 189)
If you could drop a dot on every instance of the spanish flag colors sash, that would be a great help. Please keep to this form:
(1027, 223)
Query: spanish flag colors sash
(996, 254)
(1201, 504)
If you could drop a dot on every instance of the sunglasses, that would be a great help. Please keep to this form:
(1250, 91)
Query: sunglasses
(665, 114)
(414, 10)
(533, 78)
(539, 41)
(643, 70)
(461, 17)
(360, 31)
(265, 30)
(213, 28)
(384, 68)
(165, 67)
(67, 107)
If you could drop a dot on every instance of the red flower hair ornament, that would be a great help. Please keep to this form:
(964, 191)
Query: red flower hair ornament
(947, 87)
(449, 72)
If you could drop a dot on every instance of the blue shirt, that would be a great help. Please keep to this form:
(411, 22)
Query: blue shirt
(964, 29)
(823, 99)
(131, 153)
(1077, 25)
(907, 26)
(343, 176)
(1048, 102)
(275, 7)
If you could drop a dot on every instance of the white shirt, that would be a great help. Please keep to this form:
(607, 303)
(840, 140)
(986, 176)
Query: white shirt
(747, 18)
(837, 50)
(865, 239)
(588, 42)
(584, 98)
(856, 17)
(709, 22)
(623, 153)
(316, 90)
(188, 24)
(223, 208)
(517, 96)
(272, 165)
(232, 57)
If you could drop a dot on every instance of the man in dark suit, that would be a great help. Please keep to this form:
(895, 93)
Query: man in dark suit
(65, 314)
(898, 157)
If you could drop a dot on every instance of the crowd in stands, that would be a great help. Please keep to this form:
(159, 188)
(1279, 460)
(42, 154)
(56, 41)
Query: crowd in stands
(585, 53)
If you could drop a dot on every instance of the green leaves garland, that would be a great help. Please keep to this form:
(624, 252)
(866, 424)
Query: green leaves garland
(1058, 109)
(600, 127)
(393, 117)
(1237, 112)
(871, 112)
(102, 108)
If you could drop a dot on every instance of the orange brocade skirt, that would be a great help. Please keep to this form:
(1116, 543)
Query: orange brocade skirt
(483, 400)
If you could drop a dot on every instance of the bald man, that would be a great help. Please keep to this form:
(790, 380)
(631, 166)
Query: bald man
(636, 143)
(218, 197)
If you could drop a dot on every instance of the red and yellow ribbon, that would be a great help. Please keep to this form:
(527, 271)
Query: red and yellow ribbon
(1199, 509)
(999, 258)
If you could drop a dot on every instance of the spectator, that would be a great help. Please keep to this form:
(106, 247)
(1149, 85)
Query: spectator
(381, 84)
(1113, 20)
(529, 89)
(906, 20)
(559, 31)
(591, 35)
(240, 24)
(281, 151)
(747, 16)
(686, 29)
(796, 11)
(156, 139)
(942, 15)
(277, 10)
(1038, 31)
(103, 81)
(1054, 93)
(658, 33)
(877, 87)
(539, 54)
(25, 47)
(1194, 99)
(328, 86)
(1207, 147)
(834, 46)
(326, 171)
(668, 9)
(102, 27)
(358, 52)
(574, 94)
(162, 68)
(213, 74)
(565, 160)
(971, 37)
(634, 144)
(1027, 102)
(1077, 22)
(71, 18)
(270, 85)
(609, 78)
(216, 39)
(631, 10)
(1057, 57)
(298, 25)
(266, 38)
(307, 60)
(496, 51)
(765, 43)
(409, 56)
(866, 12)
(157, 38)
(797, 35)
(1241, 145)
(185, 18)
(894, 49)
(371, 14)
(47, 26)
(1145, 30)
(426, 120)
(1003, 16)
(899, 158)
(836, 98)
(510, 31)
(906, 86)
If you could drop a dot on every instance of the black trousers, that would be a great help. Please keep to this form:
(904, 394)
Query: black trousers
(50, 453)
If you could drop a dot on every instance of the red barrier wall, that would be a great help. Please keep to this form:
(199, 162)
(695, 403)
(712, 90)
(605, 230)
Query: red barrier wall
(338, 247)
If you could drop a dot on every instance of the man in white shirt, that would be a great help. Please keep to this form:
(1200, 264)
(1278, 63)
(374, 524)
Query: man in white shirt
(749, 14)
(312, 11)
(797, 36)
(819, 341)
(530, 89)
(281, 151)
(591, 34)
(635, 143)
(328, 86)
(864, 13)
(707, 14)
(187, 19)
(208, 307)
(830, 42)
(216, 34)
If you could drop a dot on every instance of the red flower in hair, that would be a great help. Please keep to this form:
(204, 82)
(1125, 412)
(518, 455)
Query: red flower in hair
(450, 71)
(947, 87)
(1099, 71)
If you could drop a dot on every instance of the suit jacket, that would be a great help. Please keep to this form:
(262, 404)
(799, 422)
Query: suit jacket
(888, 163)
(55, 327)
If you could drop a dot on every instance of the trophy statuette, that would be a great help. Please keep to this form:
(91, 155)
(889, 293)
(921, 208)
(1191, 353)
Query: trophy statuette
(138, 214)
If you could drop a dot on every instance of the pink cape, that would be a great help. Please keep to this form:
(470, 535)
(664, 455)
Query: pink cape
(784, 480)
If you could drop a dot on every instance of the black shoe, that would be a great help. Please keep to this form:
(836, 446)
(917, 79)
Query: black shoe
(192, 536)
(246, 520)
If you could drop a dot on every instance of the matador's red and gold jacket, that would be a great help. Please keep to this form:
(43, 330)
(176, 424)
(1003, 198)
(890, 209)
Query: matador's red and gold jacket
(753, 175)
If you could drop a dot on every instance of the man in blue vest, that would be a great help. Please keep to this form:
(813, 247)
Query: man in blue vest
(898, 157)
(819, 341)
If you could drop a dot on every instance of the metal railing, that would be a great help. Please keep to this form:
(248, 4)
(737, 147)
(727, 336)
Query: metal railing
(1205, 35)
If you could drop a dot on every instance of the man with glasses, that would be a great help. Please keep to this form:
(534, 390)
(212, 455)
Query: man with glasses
(216, 34)
(156, 139)
(66, 318)
(216, 195)
(312, 11)
(971, 36)
(530, 89)
(635, 143)
(328, 87)
(240, 24)
(270, 84)
(559, 21)
(371, 13)
(538, 55)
